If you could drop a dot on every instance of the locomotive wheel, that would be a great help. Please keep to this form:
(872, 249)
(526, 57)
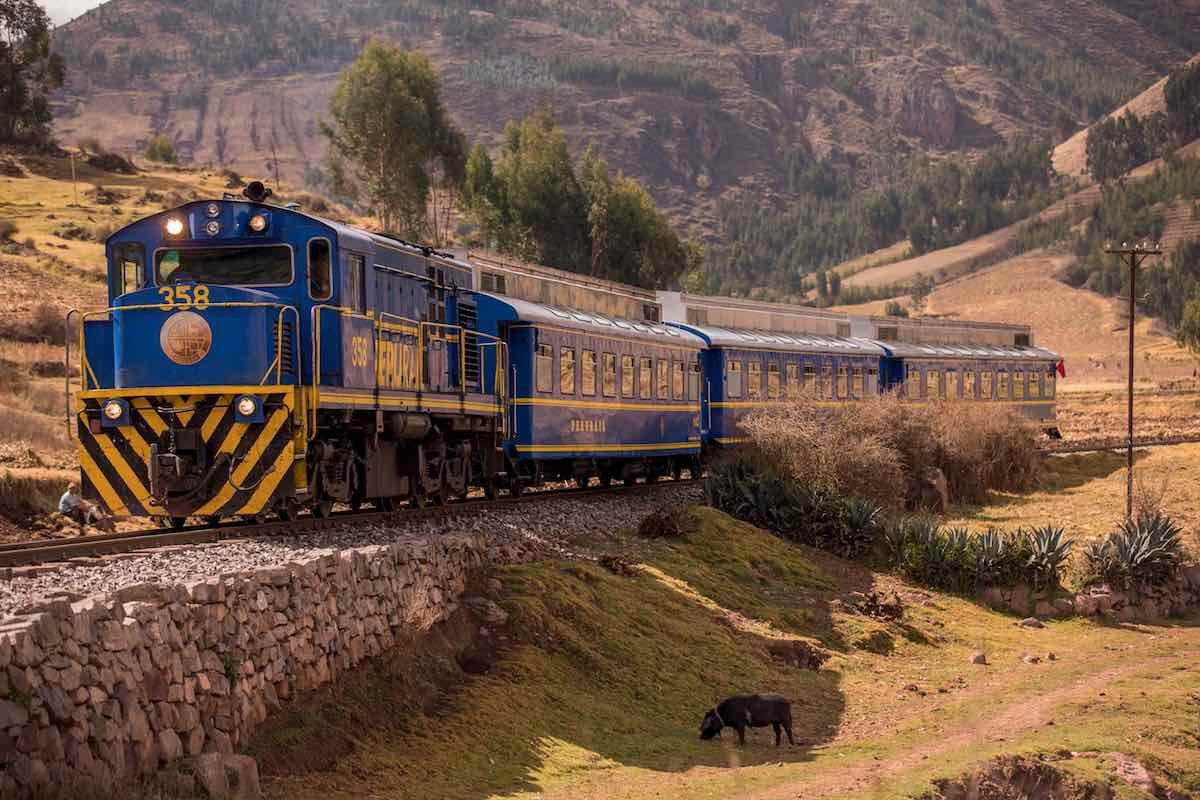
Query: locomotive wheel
(386, 504)
(515, 487)
(630, 479)
(355, 505)
(286, 510)
(322, 508)
(178, 522)
(605, 479)
(677, 471)
(582, 481)
(212, 520)
(420, 500)
(489, 489)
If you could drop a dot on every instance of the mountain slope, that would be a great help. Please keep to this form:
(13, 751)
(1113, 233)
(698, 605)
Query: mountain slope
(693, 101)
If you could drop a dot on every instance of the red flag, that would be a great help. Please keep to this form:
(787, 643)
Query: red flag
(1062, 368)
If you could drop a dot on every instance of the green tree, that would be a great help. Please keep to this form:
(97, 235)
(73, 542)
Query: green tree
(534, 203)
(835, 284)
(159, 148)
(1182, 94)
(29, 72)
(1189, 328)
(390, 126)
(922, 287)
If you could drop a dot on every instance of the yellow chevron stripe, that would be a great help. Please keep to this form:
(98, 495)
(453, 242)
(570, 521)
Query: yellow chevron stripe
(186, 403)
(150, 415)
(122, 467)
(215, 415)
(134, 437)
(270, 481)
(107, 493)
(246, 464)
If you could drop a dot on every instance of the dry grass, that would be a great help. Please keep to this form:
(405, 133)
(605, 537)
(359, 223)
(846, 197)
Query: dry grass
(1085, 493)
(884, 449)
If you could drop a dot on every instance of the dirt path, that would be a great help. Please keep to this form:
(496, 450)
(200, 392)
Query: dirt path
(1008, 723)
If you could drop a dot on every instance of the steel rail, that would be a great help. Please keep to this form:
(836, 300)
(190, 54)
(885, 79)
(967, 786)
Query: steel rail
(57, 551)
(1121, 444)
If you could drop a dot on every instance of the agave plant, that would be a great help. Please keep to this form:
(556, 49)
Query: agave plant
(1050, 551)
(991, 552)
(860, 526)
(1146, 549)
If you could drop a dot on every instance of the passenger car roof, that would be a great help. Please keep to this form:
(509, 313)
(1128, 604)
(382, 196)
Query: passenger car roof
(971, 351)
(510, 309)
(747, 339)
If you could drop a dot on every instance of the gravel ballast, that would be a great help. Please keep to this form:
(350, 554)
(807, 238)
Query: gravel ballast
(550, 528)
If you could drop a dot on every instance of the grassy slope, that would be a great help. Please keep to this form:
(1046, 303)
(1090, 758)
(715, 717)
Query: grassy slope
(603, 696)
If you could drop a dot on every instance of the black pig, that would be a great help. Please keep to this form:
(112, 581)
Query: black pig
(749, 710)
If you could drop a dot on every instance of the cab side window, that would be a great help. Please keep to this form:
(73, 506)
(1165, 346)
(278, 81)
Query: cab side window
(129, 268)
(320, 270)
(355, 298)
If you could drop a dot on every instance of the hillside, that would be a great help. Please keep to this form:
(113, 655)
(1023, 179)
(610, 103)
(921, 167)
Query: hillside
(692, 100)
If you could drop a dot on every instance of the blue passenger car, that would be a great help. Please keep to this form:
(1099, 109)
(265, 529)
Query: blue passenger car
(594, 395)
(748, 369)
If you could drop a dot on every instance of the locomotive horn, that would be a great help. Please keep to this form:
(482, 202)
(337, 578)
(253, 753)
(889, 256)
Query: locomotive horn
(256, 192)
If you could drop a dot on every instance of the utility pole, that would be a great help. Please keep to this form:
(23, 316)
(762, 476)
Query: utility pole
(1132, 255)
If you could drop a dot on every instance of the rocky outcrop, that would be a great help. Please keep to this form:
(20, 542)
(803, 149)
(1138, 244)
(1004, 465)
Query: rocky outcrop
(126, 684)
(917, 100)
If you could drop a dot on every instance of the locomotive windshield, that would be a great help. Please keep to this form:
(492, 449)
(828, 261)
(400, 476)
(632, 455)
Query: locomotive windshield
(267, 265)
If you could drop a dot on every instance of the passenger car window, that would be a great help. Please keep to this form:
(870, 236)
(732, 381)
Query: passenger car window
(566, 370)
(1035, 384)
(792, 373)
(827, 381)
(772, 381)
(664, 379)
(933, 384)
(843, 381)
(320, 269)
(1018, 384)
(610, 375)
(733, 379)
(755, 379)
(1002, 385)
(1051, 382)
(646, 378)
(545, 368)
(810, 380)
(857, 388)
(677, 386)
(913, 387)
(694, 381)
(628, 378)
(986, 385)
(969, 385)
(587, 378)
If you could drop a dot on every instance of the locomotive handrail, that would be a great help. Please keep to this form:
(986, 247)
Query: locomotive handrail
(85, 368)
(277, 364)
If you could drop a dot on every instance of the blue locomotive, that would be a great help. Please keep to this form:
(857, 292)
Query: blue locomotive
(255, 359)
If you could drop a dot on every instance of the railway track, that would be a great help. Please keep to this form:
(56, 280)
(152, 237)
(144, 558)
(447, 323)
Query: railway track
(23, 558)
(1119, 444)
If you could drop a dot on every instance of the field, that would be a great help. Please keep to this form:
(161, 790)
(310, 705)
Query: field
(601, 689)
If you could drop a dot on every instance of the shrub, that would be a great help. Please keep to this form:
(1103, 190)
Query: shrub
(744, 487)
(8, 229)
(894, 309)
(884, 449)
(1144, 550)
(159, 148)
(956, 560)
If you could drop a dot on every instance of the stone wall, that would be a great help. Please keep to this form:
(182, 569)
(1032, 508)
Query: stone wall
(1178, 596)
(116, 686)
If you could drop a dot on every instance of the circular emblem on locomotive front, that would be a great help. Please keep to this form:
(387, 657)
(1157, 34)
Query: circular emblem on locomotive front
(185, 337)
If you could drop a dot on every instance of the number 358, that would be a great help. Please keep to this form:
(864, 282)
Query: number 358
(187, 296)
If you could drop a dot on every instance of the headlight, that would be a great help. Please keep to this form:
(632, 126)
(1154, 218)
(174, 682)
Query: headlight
(247, 406)
(258, 223)
(213, 227)
(114, 410)
(213, 210)
(174, 226)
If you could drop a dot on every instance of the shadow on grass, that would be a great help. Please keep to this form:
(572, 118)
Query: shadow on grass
(594, 672)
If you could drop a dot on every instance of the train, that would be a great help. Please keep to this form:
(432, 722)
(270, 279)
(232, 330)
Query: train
(254, 359)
